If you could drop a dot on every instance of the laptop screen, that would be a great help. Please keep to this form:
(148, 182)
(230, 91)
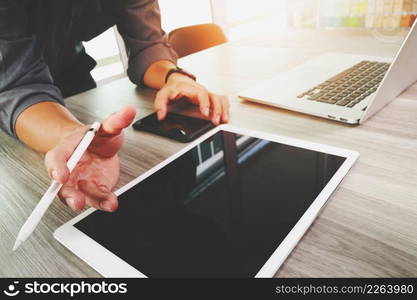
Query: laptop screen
(219, 210)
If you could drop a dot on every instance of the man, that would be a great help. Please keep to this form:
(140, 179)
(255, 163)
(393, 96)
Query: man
(42, 61)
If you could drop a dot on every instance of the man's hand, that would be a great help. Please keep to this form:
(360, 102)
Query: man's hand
(94, 177)
(178, 86)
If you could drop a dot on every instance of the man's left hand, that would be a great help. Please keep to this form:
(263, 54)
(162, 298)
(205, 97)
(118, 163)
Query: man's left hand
(212, 106)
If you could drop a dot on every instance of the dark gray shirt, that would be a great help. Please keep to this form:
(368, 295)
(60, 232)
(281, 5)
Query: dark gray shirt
(41, 52)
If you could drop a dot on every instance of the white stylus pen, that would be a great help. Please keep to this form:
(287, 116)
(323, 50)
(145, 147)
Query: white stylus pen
(54, 188)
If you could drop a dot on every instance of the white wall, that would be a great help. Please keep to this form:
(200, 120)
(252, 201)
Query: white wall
(180, 13)
(239, 19)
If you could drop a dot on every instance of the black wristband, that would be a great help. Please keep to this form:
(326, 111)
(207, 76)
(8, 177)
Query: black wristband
(180, 71)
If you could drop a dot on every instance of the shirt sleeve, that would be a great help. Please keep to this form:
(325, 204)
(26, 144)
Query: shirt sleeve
(146, 42)
(24, 76)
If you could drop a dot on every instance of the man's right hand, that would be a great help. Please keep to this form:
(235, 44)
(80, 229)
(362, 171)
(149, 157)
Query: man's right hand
(93, 179)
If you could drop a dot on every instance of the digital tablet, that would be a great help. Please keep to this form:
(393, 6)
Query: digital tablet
(233, 203)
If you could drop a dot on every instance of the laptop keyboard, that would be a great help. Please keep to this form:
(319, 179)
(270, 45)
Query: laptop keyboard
(349, 87)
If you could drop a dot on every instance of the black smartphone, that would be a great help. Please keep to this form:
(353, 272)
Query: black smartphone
(178, 127)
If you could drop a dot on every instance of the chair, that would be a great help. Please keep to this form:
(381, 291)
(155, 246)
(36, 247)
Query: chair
(191, 39)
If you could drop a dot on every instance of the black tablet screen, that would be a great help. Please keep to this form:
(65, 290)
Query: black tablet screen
(220, 210)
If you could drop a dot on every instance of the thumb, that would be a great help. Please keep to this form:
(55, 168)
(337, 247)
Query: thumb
(117, 121)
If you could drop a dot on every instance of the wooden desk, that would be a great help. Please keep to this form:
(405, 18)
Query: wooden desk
(368, 228)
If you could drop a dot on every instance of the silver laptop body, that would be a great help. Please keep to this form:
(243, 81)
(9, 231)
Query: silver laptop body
(342, 87)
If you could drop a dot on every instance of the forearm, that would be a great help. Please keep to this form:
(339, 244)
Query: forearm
(43, 125)
(154, 76)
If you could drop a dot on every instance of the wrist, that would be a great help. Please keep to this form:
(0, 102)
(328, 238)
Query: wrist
(179, 71)
(70, 128)
(178, 77)
(156, 73)
(43, 125)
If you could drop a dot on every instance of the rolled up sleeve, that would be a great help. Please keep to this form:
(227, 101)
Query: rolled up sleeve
(146, 42)
(24, 76)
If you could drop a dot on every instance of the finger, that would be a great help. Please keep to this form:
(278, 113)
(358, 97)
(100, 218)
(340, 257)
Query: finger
(98, 194)
(192, 92)
(72, 197)
(117, 121)
(56, 162)
(92, 189)
(161, 101)
(110, 203)
(204, 101)
(196, 95)
(225, 108)
(216, 109)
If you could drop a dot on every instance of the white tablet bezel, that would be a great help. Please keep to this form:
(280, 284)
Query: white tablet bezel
(110, 265)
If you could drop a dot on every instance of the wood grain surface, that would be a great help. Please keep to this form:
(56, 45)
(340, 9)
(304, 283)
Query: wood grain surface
(369, 226)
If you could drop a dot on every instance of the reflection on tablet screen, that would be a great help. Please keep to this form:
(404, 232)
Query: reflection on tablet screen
(220, 210)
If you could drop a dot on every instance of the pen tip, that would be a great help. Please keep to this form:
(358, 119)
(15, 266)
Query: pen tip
(16, 244)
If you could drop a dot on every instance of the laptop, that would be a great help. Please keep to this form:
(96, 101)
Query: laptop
(341, 87)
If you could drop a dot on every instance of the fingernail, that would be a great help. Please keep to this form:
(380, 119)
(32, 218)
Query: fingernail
(217, 119)
(55, 175)
(206, 111)
(103, 189)
(70, 202)
(159, 114)
(105, 205)
(226, 117)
